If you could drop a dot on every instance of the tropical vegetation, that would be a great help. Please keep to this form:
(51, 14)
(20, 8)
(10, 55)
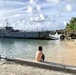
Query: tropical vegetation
(72, 24)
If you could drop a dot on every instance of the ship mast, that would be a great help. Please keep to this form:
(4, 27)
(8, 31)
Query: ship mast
(7, 24)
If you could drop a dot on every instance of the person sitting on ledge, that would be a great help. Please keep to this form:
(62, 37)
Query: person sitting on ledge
(39, 54)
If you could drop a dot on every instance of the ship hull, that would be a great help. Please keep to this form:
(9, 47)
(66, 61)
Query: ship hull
(45, 38)
(9, 32)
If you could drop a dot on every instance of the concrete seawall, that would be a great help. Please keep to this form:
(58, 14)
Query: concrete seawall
(45, 65)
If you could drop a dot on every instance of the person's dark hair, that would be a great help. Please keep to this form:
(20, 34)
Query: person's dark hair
(40, 48)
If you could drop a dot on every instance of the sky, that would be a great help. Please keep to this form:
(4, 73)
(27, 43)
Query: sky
(36, 15)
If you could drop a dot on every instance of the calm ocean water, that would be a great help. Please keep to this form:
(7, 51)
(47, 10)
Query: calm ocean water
(24, 48)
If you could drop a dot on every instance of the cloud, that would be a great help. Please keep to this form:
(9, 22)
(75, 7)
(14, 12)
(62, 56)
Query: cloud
(68, 7)
(42, 16)
(38, 18)
(0, 25)
(30, 9)
(33, 26)
(32, 1)
(17, 15)
(17, 11)
(38, 8)
(65, 23)
(34, 9)
(13, 10)
(55, 1)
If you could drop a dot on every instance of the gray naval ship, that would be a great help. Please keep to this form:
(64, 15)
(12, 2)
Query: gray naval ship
(10, 32)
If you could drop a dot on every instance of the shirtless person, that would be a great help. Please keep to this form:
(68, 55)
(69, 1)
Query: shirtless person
(39, 55)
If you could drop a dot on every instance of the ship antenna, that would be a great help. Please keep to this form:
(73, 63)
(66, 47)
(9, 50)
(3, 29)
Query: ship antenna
(7, 22)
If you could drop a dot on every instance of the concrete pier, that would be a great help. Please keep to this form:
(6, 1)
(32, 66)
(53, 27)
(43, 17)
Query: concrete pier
(45, 65)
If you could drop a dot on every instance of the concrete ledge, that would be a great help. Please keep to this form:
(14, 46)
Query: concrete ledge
(70, 69)
(45, 65)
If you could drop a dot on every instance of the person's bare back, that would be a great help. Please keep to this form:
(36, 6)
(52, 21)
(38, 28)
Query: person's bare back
(39, 56)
